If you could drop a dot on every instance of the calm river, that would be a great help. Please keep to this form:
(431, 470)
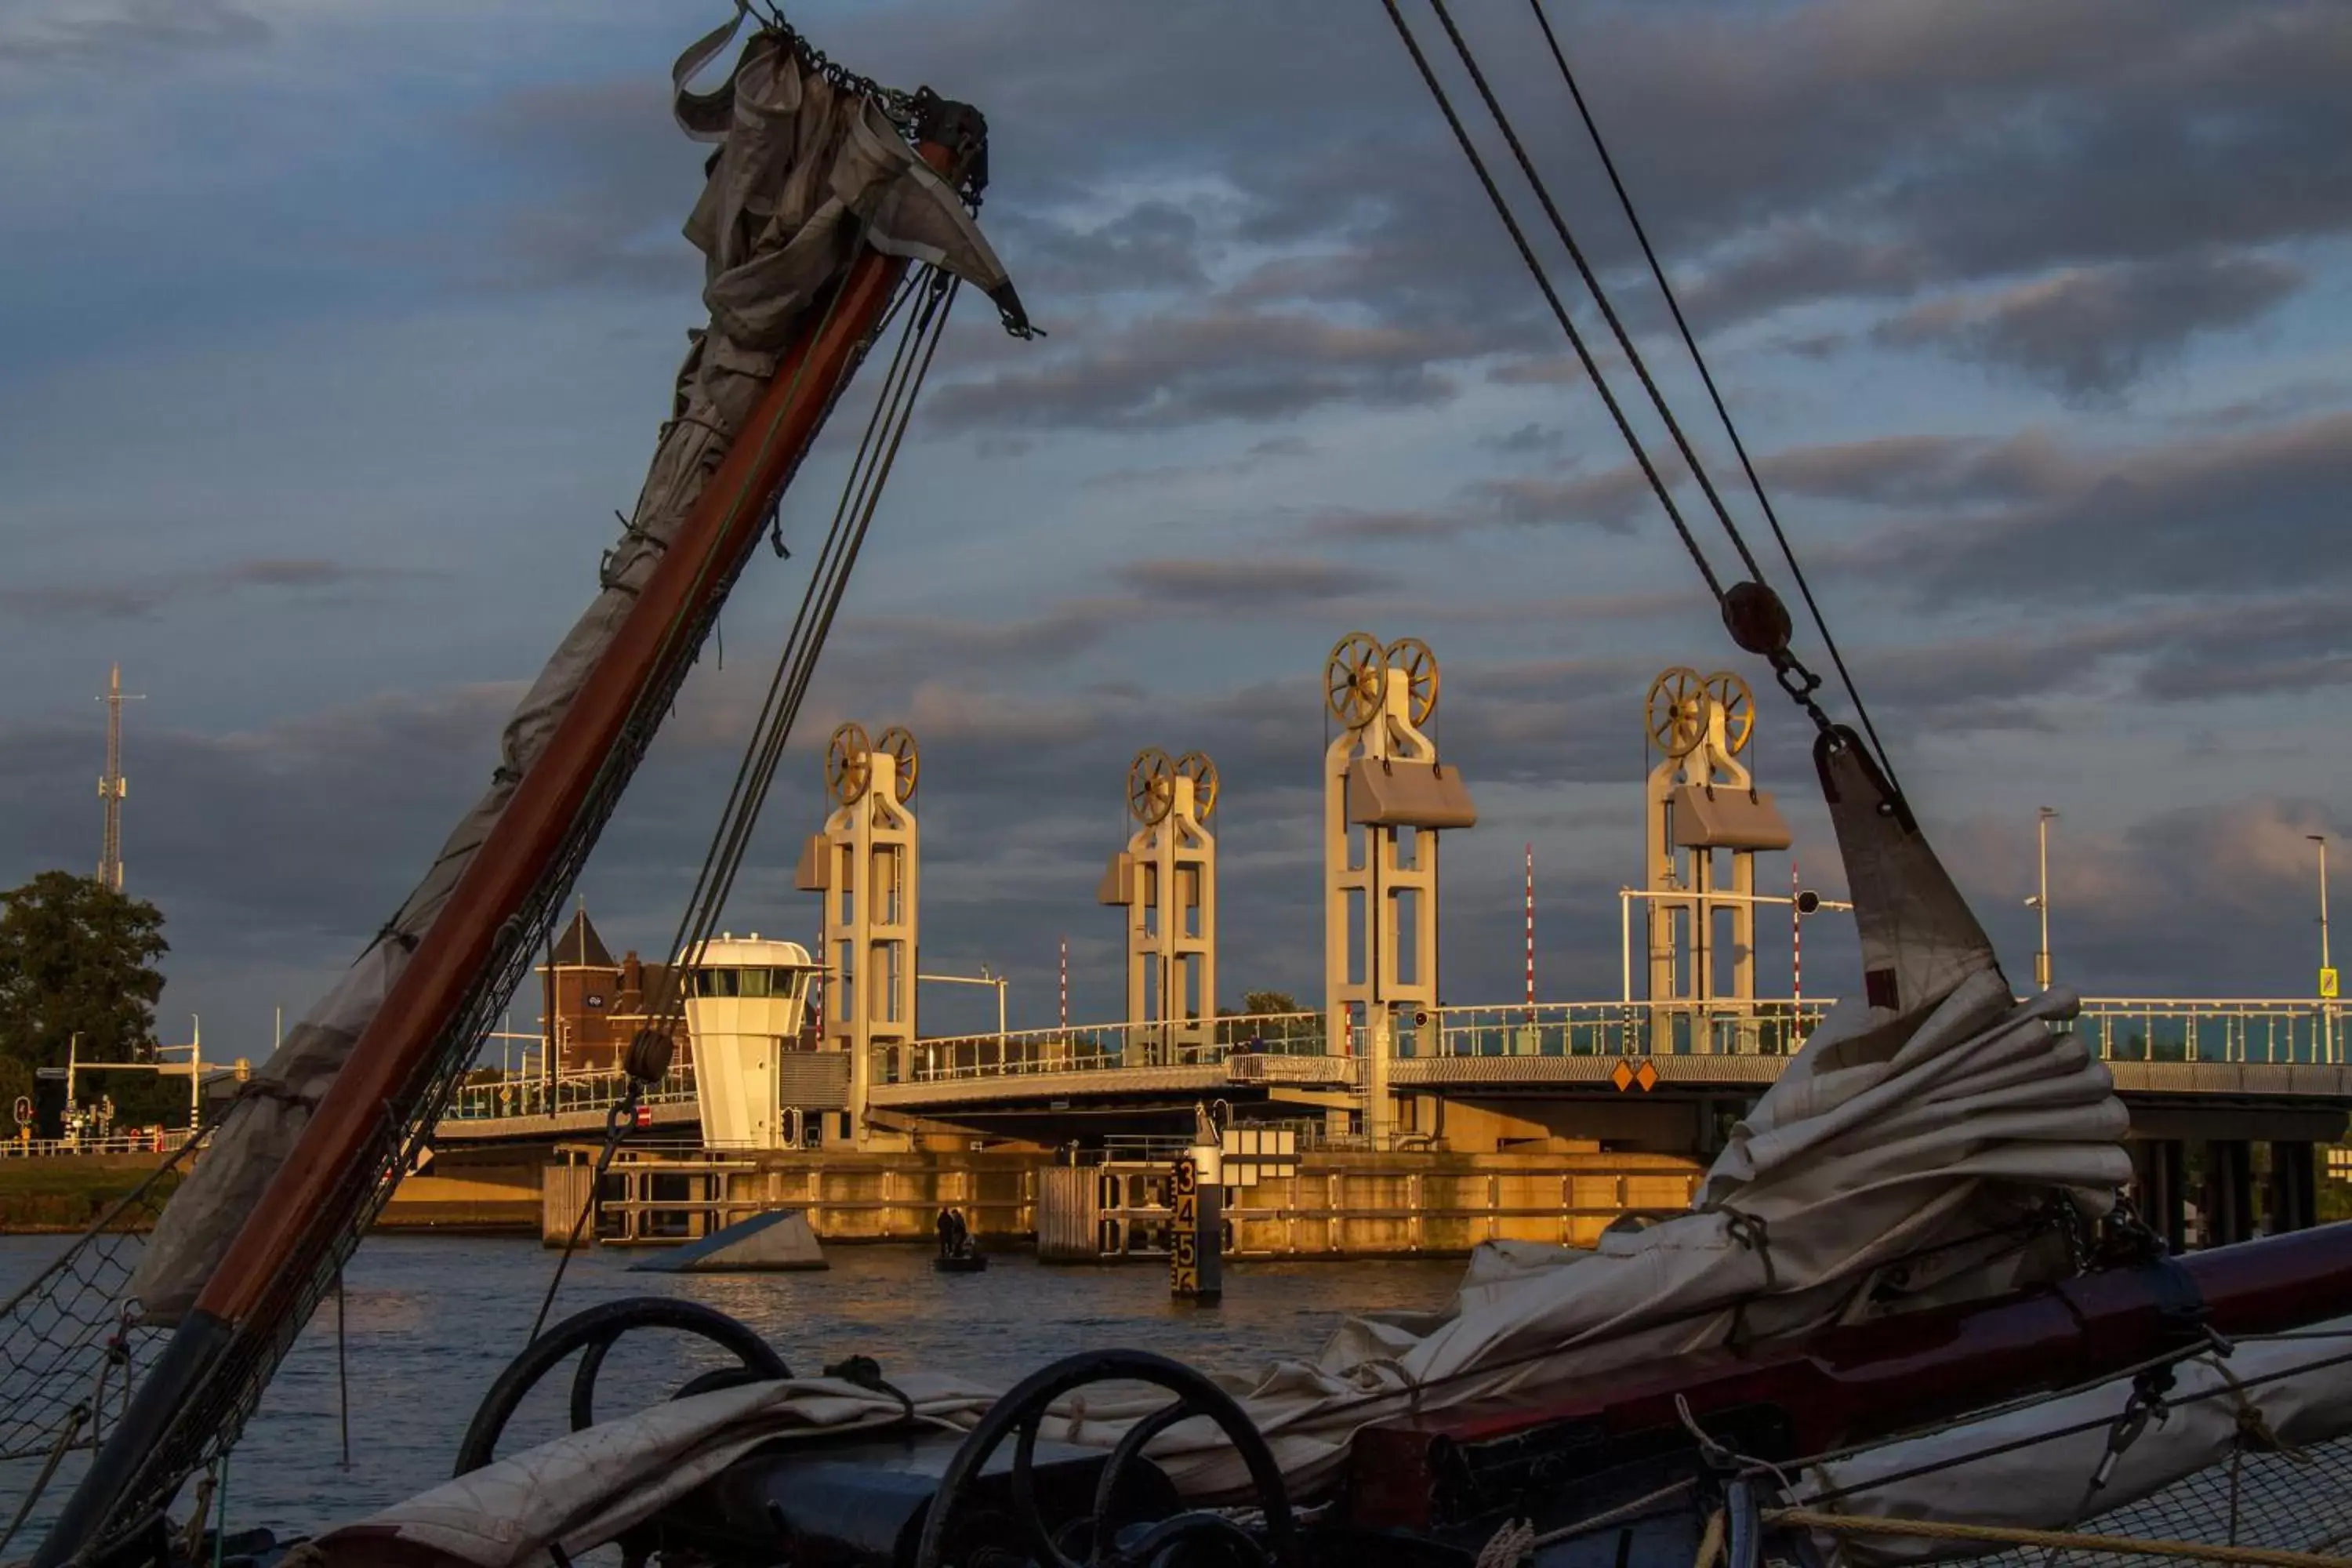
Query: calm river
(431, 1320)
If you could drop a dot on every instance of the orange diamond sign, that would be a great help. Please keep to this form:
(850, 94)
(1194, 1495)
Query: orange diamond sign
(1647, 1078)
(1622, 1075)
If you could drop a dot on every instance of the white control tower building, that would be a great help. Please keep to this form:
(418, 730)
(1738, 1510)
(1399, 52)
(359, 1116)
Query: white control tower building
(744, 1003)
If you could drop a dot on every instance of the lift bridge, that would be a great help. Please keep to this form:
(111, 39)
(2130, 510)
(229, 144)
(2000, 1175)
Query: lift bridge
(1665, 1065)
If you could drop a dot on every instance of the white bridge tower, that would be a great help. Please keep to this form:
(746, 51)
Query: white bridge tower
(1703, 801)
(1167, 879)
(866, 863)
(1386, 797)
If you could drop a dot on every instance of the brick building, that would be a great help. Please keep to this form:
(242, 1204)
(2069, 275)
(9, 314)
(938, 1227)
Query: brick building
(591, 1006)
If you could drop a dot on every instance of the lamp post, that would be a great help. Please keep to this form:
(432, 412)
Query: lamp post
(985, 977)
(2327, 989)
(2040, 901)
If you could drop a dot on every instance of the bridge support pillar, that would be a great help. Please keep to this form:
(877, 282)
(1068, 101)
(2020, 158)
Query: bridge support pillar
(2295, 1187)
(2229, 1191)
(2159, 1168)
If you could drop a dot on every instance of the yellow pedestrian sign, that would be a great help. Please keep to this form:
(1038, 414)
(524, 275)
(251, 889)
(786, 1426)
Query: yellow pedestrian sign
(2327, 985)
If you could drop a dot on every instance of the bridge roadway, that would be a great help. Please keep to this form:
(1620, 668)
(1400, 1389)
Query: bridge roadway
(2189, 1067)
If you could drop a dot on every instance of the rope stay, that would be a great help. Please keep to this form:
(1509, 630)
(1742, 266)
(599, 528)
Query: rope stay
(1752, 613)
(1714, 392)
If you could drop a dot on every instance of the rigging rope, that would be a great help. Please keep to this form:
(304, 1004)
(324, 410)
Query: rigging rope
(1551, 297)
(1714, 394)
(1753, 615)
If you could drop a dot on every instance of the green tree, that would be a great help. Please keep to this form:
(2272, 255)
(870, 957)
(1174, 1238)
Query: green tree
(78, 958)
(1257, 1003)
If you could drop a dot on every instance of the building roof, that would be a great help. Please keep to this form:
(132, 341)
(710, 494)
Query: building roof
(581, 948)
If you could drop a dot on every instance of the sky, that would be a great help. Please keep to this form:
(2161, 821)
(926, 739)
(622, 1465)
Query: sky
(331, 336)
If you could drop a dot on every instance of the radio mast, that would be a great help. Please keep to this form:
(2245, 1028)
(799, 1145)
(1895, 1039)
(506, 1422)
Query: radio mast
(111, 786)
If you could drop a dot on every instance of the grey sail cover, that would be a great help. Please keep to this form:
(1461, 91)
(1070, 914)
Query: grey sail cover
(806, 175)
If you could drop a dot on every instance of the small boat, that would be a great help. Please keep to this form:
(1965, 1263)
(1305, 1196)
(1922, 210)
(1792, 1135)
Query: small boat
(970, 1261)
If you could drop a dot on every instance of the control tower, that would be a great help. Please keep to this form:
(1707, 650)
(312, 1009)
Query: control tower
(744, 999)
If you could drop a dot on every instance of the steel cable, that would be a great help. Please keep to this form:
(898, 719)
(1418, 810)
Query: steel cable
(1714, 394)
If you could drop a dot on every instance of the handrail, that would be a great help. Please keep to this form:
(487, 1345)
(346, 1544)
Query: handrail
(2279, 1031)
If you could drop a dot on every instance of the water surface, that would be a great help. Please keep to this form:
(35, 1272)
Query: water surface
(430, 1321)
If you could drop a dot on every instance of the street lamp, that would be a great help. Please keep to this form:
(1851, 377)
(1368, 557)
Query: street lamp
(2327, 985)
(2325, 962)
(2040, 901)
(985, 977)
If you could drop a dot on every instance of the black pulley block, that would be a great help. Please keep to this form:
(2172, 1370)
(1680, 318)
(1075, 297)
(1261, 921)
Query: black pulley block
(649, 1056)
(1756, 619)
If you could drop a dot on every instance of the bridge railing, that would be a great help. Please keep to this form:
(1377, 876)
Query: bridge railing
(2277, 1031)
(2256, 1030)
(161, 1141)
(1764, 1027)
(489, 1099)
(1102, 1047)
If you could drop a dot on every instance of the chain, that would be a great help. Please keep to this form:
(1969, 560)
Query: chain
(899, 106)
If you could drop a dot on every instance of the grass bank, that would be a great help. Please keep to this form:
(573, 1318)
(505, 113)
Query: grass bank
(68, 1192)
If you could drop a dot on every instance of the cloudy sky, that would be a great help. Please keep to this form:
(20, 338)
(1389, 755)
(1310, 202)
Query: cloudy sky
(331, 336)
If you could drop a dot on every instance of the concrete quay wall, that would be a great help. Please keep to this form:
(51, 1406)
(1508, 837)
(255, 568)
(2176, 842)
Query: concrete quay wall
(1395, 1204)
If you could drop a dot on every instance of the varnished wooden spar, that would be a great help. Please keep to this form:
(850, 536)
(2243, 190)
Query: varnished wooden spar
(1872, 1380)
(399, 1045)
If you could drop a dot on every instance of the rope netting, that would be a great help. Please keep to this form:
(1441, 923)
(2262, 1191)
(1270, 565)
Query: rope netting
(69, 1352)
(2290, 1500)
(71, 1347)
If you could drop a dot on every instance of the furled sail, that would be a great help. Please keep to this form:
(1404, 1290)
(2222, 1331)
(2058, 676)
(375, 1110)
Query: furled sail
(807, 175)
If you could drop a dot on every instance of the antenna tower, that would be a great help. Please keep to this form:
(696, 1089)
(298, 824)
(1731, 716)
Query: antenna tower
(111, 785)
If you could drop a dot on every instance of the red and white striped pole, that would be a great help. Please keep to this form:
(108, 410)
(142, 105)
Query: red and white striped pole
(1531, 933)
(1796, 942)
(1065, 983)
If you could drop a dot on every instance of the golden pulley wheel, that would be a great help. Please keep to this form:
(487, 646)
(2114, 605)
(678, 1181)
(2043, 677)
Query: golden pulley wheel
(1730, 690)
(846, 771)
(1355, 679)
(1412, 655)
(1150, 791)
(1676, 711)
(899, 742)
(1196, 766)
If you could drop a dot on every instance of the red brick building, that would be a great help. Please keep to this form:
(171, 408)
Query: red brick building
(591, 1006)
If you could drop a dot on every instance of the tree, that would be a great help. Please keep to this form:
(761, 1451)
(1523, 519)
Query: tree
(1258, 1003)
(78, 958)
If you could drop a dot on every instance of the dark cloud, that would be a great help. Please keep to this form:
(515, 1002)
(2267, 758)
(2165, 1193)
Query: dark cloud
(1250, 583)
(126, 28)
(307, 580)
(1154, 245)
(2090, 332)
(2237, 512)
(608, 180)
(1917, 470)
(1171, 370)
(1527, 438)
(1257, 455)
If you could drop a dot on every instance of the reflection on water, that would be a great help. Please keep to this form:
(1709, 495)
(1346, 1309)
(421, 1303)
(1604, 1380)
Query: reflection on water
(430, 1321)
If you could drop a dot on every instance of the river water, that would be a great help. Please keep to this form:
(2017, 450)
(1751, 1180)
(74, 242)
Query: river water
(430, 1321)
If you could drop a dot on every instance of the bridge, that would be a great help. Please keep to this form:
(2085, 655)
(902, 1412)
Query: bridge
(2273, 1057)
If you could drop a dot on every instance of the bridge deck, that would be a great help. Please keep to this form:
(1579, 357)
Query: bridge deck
(2188, 1051)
